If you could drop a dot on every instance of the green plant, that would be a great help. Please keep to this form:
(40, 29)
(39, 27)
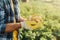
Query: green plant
(51, 20)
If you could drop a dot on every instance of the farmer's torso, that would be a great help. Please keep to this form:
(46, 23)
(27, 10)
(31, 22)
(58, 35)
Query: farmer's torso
(8, 17)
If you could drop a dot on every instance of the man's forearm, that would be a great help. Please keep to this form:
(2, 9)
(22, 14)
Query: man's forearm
(12, 26)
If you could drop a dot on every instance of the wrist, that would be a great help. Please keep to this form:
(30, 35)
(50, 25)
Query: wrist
(19, 25)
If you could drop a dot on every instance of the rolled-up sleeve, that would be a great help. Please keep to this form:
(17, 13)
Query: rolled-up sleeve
(2, 18)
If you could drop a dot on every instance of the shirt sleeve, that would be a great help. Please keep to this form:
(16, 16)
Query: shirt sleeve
(17, 8)
(2, 20)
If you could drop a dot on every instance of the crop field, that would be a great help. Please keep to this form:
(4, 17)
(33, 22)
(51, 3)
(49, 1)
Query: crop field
(50, 13)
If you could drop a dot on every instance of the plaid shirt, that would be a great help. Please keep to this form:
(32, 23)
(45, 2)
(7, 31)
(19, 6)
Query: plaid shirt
(7, 16)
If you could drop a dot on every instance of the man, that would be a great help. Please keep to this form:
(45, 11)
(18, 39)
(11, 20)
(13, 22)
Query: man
(7, 18)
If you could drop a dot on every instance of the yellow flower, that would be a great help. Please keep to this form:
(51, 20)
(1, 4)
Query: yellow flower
(33, 25)
(34, 22)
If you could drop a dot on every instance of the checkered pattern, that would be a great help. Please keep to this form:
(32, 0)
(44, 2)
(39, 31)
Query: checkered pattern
(7, 16)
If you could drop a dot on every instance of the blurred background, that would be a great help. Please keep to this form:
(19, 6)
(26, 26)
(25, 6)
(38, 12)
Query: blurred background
(49, 10)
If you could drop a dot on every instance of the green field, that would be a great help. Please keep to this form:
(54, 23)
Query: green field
(51, 20)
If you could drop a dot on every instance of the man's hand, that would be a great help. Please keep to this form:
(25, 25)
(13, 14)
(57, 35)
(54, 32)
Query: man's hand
(24, 25)
(21, 19)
